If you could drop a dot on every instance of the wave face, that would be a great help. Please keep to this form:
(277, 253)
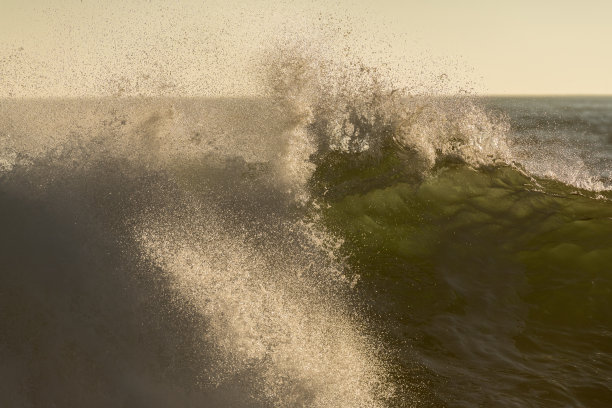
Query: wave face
(340, 243)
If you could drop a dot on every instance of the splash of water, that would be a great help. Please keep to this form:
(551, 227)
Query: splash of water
(273, 327)
(354, 109)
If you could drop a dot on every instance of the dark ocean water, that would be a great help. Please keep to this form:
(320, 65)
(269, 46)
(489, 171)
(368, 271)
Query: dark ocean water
(257, 253)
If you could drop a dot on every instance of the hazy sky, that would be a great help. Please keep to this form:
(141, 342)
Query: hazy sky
(86, 47)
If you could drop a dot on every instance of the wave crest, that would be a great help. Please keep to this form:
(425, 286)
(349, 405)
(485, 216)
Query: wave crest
(354, 109)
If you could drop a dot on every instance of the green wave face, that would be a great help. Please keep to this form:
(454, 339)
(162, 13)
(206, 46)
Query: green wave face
(490, 277)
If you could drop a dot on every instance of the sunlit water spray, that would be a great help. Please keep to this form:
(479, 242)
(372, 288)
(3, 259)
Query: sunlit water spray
(237, 224)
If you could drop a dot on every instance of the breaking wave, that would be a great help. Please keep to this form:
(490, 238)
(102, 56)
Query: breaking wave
(234, 216)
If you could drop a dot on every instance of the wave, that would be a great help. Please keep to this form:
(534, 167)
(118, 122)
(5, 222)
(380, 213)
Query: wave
(272, 307)
(315, 108)
(271, 241)
(355, 110)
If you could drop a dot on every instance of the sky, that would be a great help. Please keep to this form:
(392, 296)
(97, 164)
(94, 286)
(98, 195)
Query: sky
(189, 47)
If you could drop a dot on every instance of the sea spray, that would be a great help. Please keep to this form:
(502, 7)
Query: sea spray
(276, 319)
(342, 242)
(354, 109)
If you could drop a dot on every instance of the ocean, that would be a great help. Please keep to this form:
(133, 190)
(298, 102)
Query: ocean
(306, 249)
